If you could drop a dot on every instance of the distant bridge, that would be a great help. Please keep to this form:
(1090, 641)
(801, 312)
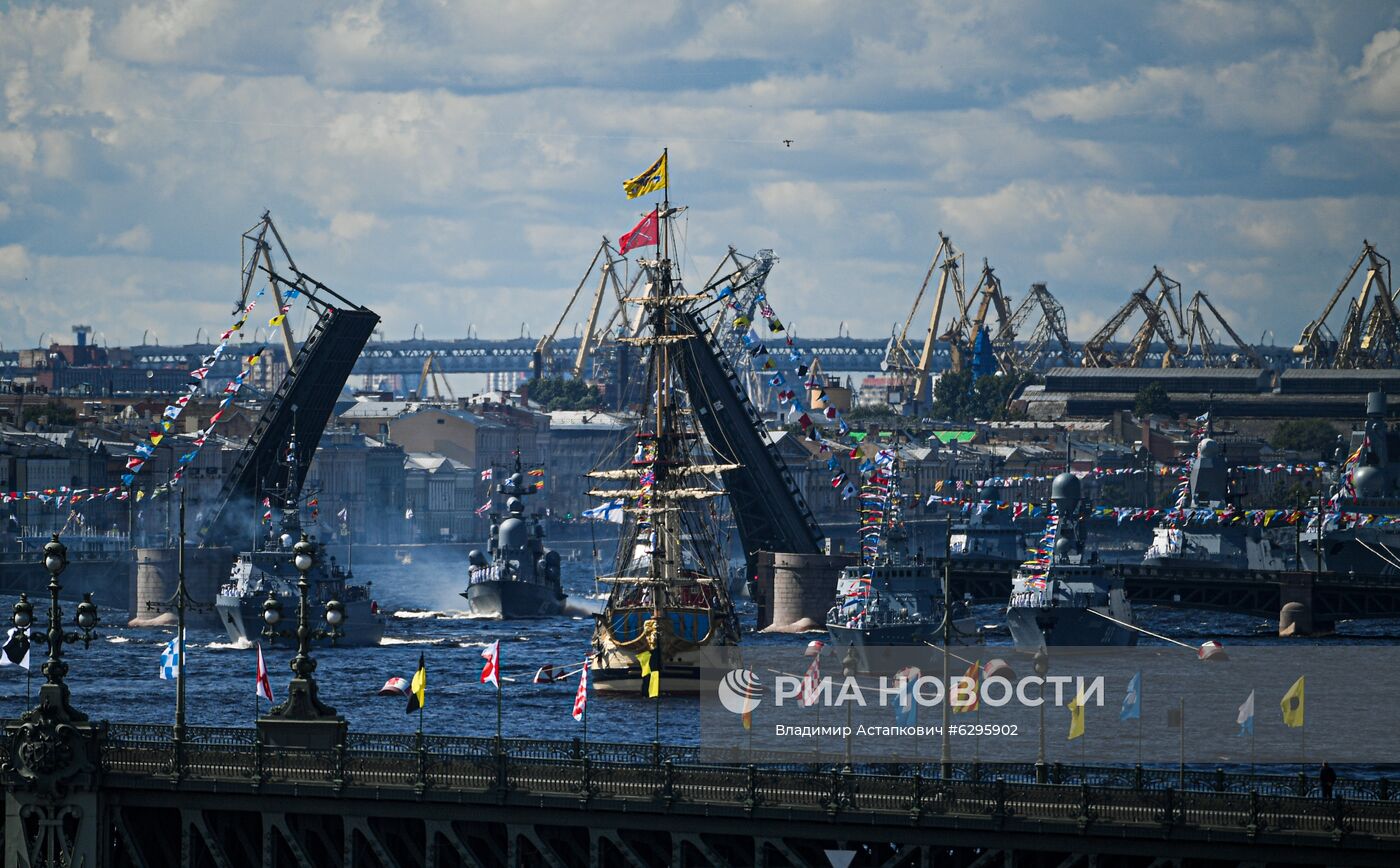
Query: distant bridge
(484, 356)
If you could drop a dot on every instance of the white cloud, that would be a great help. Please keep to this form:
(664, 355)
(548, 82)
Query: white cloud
(449, 164)
(14, 261)
(137, 239)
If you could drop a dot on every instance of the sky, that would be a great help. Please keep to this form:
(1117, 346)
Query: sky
(454, 165)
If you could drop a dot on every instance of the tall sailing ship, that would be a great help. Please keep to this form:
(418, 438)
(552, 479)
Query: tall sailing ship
(669, 597)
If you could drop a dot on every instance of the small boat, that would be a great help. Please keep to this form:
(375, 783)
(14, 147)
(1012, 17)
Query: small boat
(517, 577)
(1060, 599)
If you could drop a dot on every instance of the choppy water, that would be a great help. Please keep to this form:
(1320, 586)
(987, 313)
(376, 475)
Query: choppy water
(117, 678)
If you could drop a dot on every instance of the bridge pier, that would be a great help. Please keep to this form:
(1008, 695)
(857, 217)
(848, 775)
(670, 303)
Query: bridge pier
(1296, 615)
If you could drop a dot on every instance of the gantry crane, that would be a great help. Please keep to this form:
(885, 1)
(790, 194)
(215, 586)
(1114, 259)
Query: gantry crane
(1032, 352)
(1199, 337)
(595, 331)
(1370, 336)
(897, 357)
(1159, 315)
(1317, 345)
(964, 330)
(431, 374)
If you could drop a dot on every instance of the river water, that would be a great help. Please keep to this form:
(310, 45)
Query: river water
(117, 678)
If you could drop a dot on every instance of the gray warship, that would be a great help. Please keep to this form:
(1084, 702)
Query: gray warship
(1065, 599)
(1350, 541)
(1176, 542)
(517, 577)
(885, 601)
(988, 533)
(266, 571)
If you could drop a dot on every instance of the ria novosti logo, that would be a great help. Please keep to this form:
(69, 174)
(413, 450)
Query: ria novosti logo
(739, 691)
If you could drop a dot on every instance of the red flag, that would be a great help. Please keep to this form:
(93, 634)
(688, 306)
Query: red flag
(491, 673)
(264, 685)
(581, 697)
(644, 234)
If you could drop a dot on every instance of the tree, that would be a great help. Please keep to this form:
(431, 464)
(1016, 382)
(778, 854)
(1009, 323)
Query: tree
(957, 396)
(559, 393)
(1151, 400)
(1306, 436)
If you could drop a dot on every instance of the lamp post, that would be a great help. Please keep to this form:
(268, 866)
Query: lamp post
(1042, 666)
(946, 750)
(302, 706)
(54, 695)
(848, 669)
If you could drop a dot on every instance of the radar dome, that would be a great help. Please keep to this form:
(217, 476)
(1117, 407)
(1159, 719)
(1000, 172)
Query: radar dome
(1369, 482)
(514, 506)
(512, 534)
(476, 558)
(1208, 448)
(1064, 490)
(1063, 545)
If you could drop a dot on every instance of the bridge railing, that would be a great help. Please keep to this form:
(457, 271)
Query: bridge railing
(676, 772)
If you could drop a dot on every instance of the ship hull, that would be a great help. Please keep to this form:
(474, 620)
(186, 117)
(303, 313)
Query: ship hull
(1034, 628)
(242, 618)
(886, 648)
(510, 599)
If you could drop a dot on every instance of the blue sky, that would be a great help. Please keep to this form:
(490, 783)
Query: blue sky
(455, 164)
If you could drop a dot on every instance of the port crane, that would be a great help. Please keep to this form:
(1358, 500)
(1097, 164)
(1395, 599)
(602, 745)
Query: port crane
(1036, 349)
(1362, 333)
(915, 374)
(597, 331)
(988, 297)
(1369, 336)
(433, 376)
(1200, 339)
(1159, 315)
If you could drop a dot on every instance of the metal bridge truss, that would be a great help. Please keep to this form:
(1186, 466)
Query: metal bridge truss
(393, 801)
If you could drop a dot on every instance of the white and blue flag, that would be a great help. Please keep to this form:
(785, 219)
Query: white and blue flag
(610, 511)
(1132, 702)
(1246, 718)
(170, 660)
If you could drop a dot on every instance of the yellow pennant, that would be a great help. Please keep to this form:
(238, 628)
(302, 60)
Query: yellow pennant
(653, 179)
(1292, 705)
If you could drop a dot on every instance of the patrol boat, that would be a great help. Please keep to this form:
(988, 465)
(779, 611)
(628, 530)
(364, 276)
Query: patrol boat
(884, 600)
(267, 572)
(1183, 540)
(669, 597)
(1059, 598)
(1368, 485)
(520, 578)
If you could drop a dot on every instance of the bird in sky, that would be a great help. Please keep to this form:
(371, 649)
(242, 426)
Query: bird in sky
(787, 142)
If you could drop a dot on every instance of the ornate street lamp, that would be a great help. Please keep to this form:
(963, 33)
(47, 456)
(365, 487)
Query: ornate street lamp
(54, 695)
(302, 706)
